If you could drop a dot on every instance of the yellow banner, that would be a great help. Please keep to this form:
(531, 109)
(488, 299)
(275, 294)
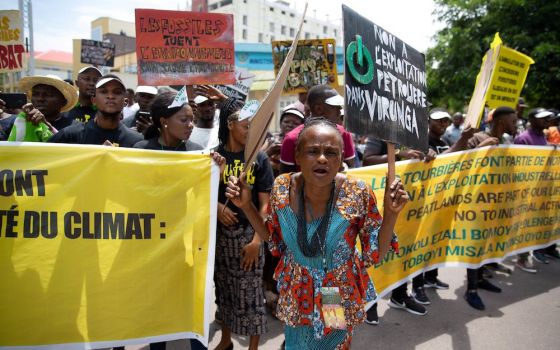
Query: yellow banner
(470, 208)
(104, 246)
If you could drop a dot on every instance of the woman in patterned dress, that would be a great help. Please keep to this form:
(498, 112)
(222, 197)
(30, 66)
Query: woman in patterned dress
(314, 220)
(239, 253)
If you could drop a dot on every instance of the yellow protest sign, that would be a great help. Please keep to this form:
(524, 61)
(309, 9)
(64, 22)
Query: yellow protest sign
(314, 63)
(470, 208)
(500, 80)
(508, 77)
(104, 246)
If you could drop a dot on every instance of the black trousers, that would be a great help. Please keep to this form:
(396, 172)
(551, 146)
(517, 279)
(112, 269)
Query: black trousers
(473, 276)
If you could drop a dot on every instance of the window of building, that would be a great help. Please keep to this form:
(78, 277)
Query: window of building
(283, 30)
(96, 33)
(335, 33)
(283, 12)
(292, 32)
(213, 7)
(260, 37)
(271, 27)
(226, 2)
(272, 38)
(244, 34)
(307, 35)
(271, 9)
(325, 29)
(292, 15)
(244, 19)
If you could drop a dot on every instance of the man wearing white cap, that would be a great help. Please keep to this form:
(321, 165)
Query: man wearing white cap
(205, 131)
(539, 120)
(85, 110)
(325, 102)
(141, 119)
(105, 128)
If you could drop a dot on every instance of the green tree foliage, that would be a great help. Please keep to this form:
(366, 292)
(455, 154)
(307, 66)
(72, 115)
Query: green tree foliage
(529, 26)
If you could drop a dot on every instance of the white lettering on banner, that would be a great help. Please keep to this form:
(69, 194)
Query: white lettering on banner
(387, 109)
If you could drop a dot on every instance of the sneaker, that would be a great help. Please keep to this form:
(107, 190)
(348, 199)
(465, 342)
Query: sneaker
(409, 305)
(499, 267)
(486, 272)
(371, 316)
(437, 284)
(486, 285)
(474, 300)
(539, 256)
(553, 253)
(420, 296)
(525, 265)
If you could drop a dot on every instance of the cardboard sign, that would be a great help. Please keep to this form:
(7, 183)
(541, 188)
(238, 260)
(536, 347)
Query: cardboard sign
(508, 76)
(243, 81)
(181, 47)
(263, 116)
(11, 42)
(478, 98)
(314, 64)
(385, 84)
(98, 53)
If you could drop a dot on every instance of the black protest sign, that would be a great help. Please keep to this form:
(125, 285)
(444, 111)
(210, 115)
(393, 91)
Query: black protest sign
(385, 84)
(98, 53)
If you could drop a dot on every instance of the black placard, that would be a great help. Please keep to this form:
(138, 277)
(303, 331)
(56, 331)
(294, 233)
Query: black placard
(98, 53)
(385, 84)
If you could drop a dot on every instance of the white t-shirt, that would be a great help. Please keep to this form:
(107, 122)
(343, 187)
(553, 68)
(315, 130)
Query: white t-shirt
(130, 111)
(207, 138)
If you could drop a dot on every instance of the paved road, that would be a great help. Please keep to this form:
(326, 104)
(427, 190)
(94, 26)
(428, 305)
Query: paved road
(526, 315)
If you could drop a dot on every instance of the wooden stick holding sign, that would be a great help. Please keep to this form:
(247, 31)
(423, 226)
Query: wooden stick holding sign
(390, 163)
(263, 116)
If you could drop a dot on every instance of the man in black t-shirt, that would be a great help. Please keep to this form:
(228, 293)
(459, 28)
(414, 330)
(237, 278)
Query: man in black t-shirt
(105, 128)
(85, 110)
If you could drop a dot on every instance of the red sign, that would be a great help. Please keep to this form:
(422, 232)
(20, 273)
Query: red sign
(11, 42)
(184, 48)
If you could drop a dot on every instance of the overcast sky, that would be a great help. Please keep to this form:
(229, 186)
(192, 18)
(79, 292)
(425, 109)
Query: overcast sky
(57, 22)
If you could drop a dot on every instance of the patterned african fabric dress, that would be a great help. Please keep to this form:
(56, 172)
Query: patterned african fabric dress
(239, 293)
(300, 278)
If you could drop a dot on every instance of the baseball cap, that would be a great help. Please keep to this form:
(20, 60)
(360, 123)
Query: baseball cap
(521, 103)
(147, 90)
(90, 68)
(292, 111)
(200, 99)
(335, 100)
(107, 78)
(440, 115)
(540, 113)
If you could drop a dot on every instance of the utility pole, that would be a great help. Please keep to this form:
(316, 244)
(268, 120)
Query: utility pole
(26, 13)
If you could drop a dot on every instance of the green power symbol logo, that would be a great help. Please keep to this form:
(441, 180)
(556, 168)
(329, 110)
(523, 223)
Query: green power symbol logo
(361, 52)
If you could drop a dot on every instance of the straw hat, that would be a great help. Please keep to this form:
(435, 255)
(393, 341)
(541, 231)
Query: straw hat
(67, 90)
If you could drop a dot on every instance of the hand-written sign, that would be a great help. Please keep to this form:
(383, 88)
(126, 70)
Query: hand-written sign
(11, 42)
(180, 47)
(240, 90)
(385, 84)
(508, 77)
(98, 53)
(314, 63)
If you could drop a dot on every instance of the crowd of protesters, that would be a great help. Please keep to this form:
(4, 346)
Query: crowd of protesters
(301, 204)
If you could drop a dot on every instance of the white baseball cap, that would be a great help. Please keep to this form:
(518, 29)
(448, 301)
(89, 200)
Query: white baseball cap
(440, 115)
(146, 89)
(335, 100)
(200, 99)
